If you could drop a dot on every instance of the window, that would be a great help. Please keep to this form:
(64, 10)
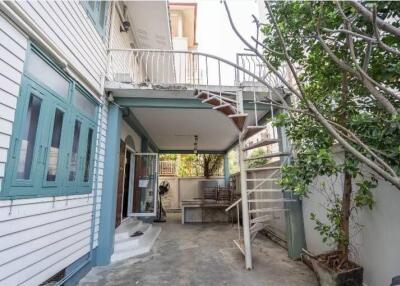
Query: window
(28, 138)
(54, 149)
(53, 142)
(74, 153)
(97, 11)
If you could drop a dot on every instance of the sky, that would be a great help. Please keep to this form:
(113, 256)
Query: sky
(215, 36)
(214, 33)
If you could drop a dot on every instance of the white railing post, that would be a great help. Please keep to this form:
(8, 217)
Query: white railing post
(245, 208)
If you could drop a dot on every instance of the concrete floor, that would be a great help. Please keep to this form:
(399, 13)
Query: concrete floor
(203, 255)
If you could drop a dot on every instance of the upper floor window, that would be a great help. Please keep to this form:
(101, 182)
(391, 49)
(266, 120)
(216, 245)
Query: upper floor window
(53, 139)
(97, 11)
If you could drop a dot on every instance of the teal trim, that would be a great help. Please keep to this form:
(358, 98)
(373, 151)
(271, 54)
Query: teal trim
(135, 124)
(226, 169)
(296, 240)
(110, 183)
(176, 103)
(93, 9)
(78, 269)
(144, 145)
(191, 152)
(37, 184)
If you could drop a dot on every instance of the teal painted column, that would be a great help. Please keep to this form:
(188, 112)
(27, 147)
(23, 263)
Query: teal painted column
(110, 184)
(226, 169)
(144, 145)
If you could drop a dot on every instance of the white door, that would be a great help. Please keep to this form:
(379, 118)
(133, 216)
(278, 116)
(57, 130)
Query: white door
(143, 186)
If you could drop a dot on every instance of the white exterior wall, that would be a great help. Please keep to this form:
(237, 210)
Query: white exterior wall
(376, 247)
(126, 131)
(68, 27)
(184, 188)
(41, 236)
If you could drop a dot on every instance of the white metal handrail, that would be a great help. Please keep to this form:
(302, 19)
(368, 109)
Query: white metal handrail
(254, 64)
(172, 67)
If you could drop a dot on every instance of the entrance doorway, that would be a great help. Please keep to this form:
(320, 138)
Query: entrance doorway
(127, 182)
(137, 184)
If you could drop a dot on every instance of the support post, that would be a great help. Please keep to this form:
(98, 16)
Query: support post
(226, 169)
(108, 197)
(245, 208)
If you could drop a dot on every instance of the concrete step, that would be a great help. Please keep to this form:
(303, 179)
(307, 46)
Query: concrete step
(261, 143)
(249, 191)
(267, 210)
(225, 108)
(262, 180)
(136, 246)
(266, 156)
(250, 131)
(270, 200)
(263, 218)
(239, 119)
(264, 169)
(257, 227)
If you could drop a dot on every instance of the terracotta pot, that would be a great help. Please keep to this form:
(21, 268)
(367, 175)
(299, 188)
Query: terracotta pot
(329, 277)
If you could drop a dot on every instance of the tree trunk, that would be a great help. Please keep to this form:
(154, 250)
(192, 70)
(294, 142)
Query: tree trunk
(345, 216)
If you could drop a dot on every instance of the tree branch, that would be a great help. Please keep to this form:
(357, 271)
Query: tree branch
(368, 162)
(379, 22)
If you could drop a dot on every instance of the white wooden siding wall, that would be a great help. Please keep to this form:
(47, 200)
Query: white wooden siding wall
(122, 40)
(71, 30)
(39, 237)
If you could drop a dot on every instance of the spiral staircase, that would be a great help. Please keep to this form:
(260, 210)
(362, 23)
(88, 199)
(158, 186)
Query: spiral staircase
(262, 200)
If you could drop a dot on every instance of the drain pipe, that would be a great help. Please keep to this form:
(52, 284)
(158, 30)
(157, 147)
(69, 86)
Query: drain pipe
(94, 207)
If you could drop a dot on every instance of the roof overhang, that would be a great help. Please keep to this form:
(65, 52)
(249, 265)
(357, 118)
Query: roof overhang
(172, 119)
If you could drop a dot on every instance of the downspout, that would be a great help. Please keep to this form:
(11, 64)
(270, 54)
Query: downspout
(89, 260)
(94, 208)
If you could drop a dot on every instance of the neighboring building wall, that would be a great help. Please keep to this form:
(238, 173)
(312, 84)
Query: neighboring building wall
(68, 27)
(184, 188)
(376, 246)
(41, 236)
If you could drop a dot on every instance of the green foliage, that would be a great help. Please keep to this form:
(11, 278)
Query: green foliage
(260, 162)
(168, 157)
(233, 160)
(331, 232)
(339, 96)
(193, 165)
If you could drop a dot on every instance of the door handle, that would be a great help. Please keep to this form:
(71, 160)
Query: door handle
(15, 148)
(46, 149)
(40, 153)
(67, 161)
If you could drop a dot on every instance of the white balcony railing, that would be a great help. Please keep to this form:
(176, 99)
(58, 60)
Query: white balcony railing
(145, 67)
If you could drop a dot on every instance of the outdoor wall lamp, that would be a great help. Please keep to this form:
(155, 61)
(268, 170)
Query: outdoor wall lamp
(125, 26)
